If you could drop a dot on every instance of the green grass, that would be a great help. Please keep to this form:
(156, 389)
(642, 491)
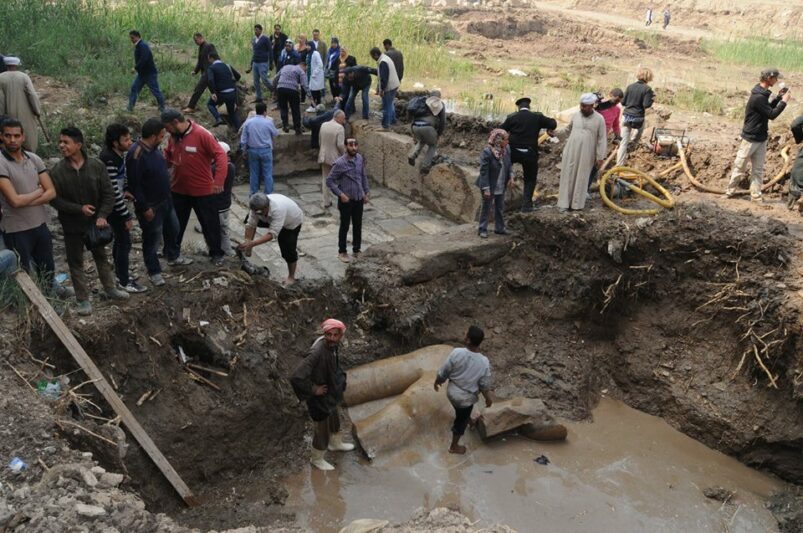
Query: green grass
(697, 100)
(759, 52)
(650, 38)
(85, 42)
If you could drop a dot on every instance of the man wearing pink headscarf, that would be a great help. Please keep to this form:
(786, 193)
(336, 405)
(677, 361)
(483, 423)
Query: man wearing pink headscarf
(320, 381)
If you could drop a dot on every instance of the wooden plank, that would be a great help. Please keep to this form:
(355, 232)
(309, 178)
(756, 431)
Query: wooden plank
(86, 363)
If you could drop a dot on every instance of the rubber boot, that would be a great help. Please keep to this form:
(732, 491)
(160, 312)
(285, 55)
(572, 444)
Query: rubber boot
(336, 443)
(317, 460)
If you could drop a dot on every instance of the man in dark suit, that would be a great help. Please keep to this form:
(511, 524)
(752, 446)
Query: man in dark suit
(277, 41)
(145, 69)
(524, 127)
(222, 80)
(204, 49)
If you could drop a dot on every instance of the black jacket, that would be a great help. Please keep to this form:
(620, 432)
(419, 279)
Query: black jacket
(204, 49)
(398, 61)
(362, 76)
(320, 367)
(525, 126)
(758, 112)
(638, 98)
(278, 45)
(143, 59)
(221, 77)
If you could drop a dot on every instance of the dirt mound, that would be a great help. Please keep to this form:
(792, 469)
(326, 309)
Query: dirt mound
(251, 331)
(507, 28)
(663, 312)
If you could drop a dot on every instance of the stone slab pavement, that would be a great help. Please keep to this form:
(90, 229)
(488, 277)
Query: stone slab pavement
(387, 216)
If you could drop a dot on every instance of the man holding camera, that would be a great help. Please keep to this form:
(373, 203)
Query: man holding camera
(753, 148)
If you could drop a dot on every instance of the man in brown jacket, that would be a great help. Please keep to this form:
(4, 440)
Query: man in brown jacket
(321, 382)
(84, 196)
(332, 145)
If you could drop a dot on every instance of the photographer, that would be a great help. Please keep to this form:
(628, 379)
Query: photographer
(753, 148)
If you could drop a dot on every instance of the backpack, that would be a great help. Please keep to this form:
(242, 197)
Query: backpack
(417, 107)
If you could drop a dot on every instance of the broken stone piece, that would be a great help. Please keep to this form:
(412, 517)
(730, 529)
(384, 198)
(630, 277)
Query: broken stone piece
(528, 416)
(88, 477)
(719, 494)
(90, 511)
(111, 479)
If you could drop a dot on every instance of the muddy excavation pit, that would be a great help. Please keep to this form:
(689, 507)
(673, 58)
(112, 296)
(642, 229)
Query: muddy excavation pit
(684, 316)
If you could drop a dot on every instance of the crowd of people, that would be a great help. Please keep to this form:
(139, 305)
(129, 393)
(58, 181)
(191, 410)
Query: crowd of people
(301, 71)
(99, 200)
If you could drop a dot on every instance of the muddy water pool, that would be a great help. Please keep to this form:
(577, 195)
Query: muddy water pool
(625, 471)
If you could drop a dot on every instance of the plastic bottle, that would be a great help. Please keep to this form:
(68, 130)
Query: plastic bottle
(17, 465)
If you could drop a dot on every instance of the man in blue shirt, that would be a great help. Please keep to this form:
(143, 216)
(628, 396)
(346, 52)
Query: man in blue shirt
(261, 59)
(257, 143)
(145, 69)
(223, 85)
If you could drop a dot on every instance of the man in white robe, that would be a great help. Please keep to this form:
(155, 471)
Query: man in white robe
(587, 144)
(18, 99)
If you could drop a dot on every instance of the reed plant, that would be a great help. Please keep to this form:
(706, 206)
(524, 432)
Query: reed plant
(759, 52)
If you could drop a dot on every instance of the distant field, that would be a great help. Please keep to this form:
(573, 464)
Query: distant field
(85, 42)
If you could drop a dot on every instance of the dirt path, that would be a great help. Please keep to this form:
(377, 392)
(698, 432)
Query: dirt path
(611, 19)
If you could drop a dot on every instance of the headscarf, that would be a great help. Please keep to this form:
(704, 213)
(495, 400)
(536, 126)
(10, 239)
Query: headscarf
(333, 323)
(495, 140)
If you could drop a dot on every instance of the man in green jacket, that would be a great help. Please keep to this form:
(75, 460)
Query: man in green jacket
(84, 196)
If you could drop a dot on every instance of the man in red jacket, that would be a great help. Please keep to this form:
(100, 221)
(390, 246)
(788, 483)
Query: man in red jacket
(190, 154)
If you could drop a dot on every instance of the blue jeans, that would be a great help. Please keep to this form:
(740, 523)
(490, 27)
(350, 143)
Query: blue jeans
(499, 213)
(151, 80)
(8, 262)
(260, 166)
(388, 109)
(165, 225)
(366, 94)
(230, 101)
(260, 71)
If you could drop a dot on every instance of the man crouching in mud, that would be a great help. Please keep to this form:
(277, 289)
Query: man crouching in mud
(469, 374)
(320, 381)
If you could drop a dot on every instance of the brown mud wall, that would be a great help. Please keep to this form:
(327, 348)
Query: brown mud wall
(658, 312)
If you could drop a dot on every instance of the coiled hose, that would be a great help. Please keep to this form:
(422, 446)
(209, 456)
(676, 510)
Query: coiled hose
(621, 175)
(705, 188)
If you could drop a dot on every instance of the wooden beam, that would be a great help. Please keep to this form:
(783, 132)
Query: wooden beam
(91, 370)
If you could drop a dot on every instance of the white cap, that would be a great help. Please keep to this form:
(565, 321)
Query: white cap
(225, 146)
(11, 61)
(588, 99)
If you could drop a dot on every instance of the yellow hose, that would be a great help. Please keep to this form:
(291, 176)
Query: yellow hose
(787, 166)
(778, 177)
(624, 173)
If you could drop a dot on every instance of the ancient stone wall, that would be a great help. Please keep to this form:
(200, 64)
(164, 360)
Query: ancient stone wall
(448, 189)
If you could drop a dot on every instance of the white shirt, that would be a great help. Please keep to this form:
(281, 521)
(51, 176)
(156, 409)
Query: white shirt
(468, 373)
(283, 213)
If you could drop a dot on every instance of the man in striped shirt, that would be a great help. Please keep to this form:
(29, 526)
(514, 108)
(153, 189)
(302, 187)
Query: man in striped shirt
(349, 182)
(118, 141)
